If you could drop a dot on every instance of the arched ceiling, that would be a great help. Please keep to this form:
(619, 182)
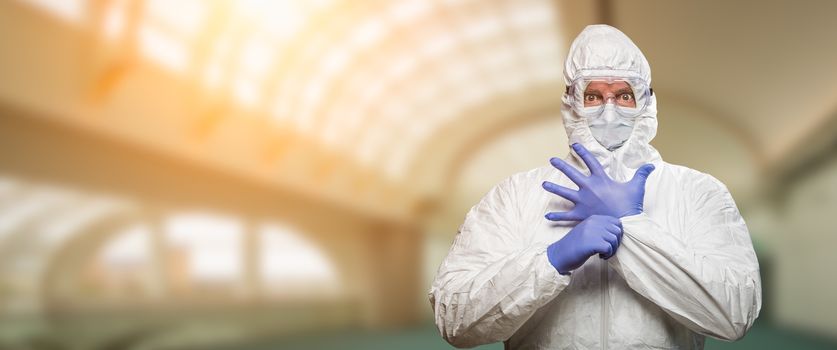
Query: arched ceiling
(369, 82)
(372, 79)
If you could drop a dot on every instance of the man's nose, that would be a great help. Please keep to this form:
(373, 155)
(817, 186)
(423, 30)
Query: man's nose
(609, 115)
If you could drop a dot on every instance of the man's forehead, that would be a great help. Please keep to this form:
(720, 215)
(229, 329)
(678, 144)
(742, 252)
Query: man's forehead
(608, 85)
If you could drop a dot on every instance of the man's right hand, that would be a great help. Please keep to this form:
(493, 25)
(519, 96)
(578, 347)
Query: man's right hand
(595, 235)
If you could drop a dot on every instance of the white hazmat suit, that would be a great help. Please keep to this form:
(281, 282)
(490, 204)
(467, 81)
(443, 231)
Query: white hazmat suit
(685, 268)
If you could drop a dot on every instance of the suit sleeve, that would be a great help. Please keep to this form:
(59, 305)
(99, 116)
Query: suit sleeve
(491, 281)
(707, 277)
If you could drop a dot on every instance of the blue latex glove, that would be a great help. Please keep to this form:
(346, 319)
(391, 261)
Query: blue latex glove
(598, 194)
(595, 235)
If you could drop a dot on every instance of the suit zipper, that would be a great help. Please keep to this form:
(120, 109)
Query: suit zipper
(604, 304)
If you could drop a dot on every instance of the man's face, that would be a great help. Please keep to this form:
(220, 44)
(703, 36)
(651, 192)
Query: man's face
(598, 93)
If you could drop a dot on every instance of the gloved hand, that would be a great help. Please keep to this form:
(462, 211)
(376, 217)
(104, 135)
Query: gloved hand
(596, 234)
(598, 194)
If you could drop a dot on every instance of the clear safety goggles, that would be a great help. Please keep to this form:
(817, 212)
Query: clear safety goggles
(589, 96)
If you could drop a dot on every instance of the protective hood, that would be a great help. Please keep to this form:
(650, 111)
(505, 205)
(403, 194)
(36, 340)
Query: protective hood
(602, 50)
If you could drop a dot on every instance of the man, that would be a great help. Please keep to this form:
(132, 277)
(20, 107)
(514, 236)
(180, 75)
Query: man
(633, 252)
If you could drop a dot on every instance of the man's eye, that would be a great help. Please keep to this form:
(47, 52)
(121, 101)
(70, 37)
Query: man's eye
(590, 98)
(626, 97)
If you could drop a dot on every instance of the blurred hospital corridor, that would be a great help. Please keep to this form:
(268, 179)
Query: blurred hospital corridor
(289, 174)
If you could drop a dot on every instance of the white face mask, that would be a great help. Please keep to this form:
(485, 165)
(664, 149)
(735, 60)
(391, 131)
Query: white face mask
(611, 129)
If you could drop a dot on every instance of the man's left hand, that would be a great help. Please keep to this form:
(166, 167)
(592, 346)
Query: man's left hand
(597, 194)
